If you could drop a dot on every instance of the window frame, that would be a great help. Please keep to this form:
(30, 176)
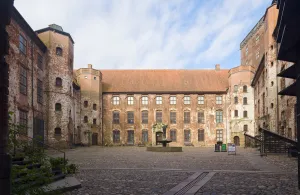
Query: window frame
(39, 91)
(219, 116)
(130, 100)
(22, 44)
(40, 61)
(59, 51)
(219, 100)
(245, 101)
(245, 128)
(55, 131)
(245, 114)
(116, 136)
(94, 121)
(236, 113)
(173, 117)
(58, 107)
(245, 88)
(58, 82)
(116, 100)
(158, 117)
(23, 80)
(201, 135)
(185, 131)
(116, 117)
(145, 131)
(235, 88)
(186, 117)
(85, 119)
(94, 107)
(144, 100)
(23, 118)
(187, 100)
(130, 117)
(173, 135)
(201, 100)
(85, 104)
(158, 100)
(219, 134)
(145, 117)
(236, 100)
(173, 100)
(201, 117)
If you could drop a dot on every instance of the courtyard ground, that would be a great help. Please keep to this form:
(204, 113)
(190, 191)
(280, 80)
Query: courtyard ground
(133, 170)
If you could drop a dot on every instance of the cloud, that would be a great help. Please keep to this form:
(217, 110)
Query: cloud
(128, 34)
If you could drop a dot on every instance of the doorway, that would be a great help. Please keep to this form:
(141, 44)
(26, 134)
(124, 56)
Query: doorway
(130, 138)
(159, 137)
(95, 139)
(236, 140)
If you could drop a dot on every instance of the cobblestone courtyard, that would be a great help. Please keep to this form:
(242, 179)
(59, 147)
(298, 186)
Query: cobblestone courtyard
(132, 170)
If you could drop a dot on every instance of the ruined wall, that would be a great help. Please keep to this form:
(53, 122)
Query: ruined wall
(28, 60)
(89, 80)
(209, 107)
(62, 67)
(241, 77)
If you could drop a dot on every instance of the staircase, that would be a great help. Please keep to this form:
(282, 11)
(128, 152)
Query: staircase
(33, 172)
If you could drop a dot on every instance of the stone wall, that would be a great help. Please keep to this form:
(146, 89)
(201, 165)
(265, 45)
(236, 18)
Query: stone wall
(59, 66)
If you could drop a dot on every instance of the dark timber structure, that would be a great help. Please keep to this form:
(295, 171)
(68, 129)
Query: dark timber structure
(287, 33)
(5, 162)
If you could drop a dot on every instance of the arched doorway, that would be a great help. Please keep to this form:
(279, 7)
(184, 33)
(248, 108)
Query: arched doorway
(236, 140)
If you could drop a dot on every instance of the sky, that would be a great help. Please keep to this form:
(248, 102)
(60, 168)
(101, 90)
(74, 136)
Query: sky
(150, 34)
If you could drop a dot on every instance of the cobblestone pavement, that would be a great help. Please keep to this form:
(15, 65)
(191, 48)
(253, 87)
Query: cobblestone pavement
(132, 170)
(251, 183)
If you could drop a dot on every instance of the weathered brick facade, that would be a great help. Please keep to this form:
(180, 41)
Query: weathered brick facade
(78, 106)
(272, 111)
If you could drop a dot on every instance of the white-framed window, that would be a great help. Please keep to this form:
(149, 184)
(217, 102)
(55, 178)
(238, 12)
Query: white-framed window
(200, 99)
(187, 100)
(116, 100)
(145, 100)
(130, 100)
(218, 99)
(257, 39)
(219, 134)
(158, 100)
(257, 54)
(173, 100)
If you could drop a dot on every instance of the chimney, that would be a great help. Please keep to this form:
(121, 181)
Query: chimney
(90, 66)
(217, 67)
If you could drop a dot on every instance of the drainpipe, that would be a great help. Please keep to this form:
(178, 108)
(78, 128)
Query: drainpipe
(277, 96)
(32, 91)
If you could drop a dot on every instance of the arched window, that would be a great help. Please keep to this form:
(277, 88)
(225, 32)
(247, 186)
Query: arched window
(85, 103)
(236, 113)
(85, 119)
(245, 128)
(173, 135)
(57, 131)
(236, 101)
(59, 51)
(235, 88)
(245, 101)
(245, 88)
(116, 136)
(57, 107)
(58, 82)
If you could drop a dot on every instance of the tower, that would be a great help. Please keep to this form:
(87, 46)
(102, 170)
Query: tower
(60, 113)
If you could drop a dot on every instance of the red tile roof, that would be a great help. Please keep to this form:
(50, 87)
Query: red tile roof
(198, 81)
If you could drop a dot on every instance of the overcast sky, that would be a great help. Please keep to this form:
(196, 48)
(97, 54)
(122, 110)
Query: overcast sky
(130, 34)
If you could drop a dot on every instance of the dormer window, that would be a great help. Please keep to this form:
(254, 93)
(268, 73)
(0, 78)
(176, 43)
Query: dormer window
(59, 51)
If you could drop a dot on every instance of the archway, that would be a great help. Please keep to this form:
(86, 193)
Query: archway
(236, 140)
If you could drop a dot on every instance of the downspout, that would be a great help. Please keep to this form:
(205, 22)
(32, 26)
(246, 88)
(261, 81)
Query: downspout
(277, 108)
(102, 117)
(33, 128)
